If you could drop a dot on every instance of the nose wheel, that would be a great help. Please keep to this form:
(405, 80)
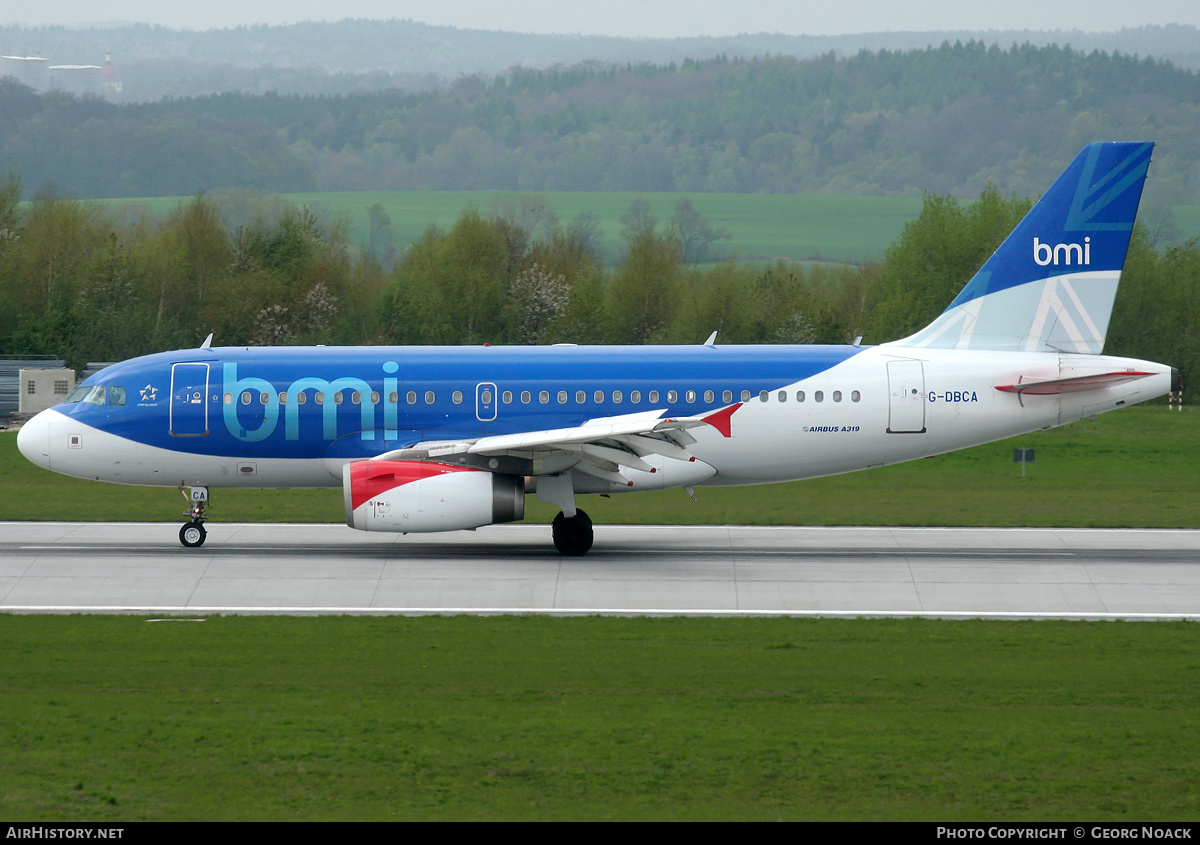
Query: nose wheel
(192, 534)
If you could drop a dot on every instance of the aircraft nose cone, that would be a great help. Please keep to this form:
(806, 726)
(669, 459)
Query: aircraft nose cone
(33, 439)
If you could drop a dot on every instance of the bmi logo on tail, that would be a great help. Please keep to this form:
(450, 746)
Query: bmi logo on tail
(1044, 254)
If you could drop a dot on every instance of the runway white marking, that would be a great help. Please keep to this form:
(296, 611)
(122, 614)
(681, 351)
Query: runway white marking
(581, 611)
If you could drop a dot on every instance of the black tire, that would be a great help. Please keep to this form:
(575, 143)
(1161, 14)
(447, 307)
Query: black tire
(192, 535)
(572, 535)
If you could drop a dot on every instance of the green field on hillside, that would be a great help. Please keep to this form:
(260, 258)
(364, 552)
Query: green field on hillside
(762, 226)
(1137, 467)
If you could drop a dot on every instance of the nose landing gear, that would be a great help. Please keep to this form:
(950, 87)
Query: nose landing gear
(192, 534)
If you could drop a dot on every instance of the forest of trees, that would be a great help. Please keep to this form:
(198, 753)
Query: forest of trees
(948, 120)
(365, 55)
(76, 283)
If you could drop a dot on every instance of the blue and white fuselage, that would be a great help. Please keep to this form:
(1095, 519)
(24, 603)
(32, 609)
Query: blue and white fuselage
(426, 438)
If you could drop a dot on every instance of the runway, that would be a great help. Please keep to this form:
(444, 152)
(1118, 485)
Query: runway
(56, 567)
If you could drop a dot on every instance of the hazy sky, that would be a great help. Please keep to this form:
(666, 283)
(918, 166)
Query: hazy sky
(630, 18)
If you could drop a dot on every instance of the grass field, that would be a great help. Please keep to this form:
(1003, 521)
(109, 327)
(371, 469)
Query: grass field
(119, 718)
(1137, 467)
(762, 227)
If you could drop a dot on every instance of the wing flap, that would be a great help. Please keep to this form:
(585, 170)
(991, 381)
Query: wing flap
(620, 441)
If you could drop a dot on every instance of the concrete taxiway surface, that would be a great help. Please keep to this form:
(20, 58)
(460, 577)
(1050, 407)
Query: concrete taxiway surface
(950, 572)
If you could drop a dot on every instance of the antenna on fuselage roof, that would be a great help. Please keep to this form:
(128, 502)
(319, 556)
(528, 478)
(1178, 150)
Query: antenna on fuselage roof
(712, 340)
(207, 341)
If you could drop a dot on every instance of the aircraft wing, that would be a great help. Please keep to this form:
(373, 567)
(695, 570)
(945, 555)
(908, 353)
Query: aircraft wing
(599, 446)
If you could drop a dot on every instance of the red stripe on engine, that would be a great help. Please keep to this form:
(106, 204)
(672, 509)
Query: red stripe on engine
(370, 478)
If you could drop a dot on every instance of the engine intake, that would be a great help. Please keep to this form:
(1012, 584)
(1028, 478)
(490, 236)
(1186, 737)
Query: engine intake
(422, 496)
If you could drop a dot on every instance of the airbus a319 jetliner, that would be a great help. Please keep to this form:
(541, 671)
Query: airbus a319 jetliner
(443, 438)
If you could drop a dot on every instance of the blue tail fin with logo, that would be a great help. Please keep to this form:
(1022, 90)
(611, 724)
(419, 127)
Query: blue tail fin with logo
(1050, 286)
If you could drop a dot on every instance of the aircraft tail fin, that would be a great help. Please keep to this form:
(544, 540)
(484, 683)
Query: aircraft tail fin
(1050, 285)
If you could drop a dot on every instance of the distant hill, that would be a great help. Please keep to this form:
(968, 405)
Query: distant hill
(366, 55)
(949, 119)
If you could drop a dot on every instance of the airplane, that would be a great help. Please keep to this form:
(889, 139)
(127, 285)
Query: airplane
(425, 439)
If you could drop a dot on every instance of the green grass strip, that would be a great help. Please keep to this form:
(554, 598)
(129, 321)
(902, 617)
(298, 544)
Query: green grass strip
(118, 718)
(1134, 468)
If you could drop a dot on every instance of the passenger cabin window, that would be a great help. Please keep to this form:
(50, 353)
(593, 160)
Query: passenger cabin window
(526, 396)
(672, 397)
(691, 396)
(855, 396)
(819, 395)
(580, 397)
(283, 398)
(429, 397)
(599, 397)
(654, 396)
(562, 397)
(763, 396)
(411, 397)
(544, 397)
(745, 395)
(837, 396)
(616, 397)
(635, 396)
(456, 398)
(799, 395)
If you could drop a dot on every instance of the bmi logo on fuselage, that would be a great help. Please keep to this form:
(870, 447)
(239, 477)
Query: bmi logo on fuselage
(1068, 254)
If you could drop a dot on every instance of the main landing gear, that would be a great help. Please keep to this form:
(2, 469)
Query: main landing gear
(192, 534)
(572, 534)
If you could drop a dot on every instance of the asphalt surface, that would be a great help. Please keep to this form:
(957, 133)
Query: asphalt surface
(707, 570)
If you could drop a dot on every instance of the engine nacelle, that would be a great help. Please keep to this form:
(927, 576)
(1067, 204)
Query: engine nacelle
(421, 496)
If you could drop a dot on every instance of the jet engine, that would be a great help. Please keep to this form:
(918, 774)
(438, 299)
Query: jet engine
(421, 496)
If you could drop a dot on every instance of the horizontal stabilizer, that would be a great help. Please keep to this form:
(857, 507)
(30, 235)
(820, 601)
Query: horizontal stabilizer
(1053, 387)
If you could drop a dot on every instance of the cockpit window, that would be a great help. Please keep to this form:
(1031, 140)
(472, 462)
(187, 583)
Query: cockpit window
(78, 393)
(95, 394)
(116, 396)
